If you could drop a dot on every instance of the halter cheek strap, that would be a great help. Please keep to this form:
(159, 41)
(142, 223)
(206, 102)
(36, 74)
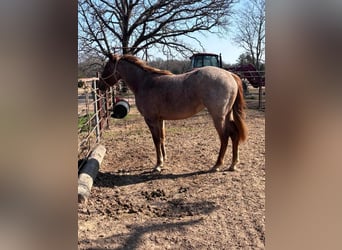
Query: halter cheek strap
(113, 74)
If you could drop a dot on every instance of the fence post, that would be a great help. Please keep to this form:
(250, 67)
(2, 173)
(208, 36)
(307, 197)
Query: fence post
(96, 108)
(260, 96)
(107, 106)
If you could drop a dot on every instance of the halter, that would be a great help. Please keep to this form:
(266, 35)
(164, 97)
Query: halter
(112, 74)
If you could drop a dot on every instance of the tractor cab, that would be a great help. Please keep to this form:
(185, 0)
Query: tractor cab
(205, 59)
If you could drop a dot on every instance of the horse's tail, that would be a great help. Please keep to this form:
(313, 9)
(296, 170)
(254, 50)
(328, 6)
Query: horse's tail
(239, 111)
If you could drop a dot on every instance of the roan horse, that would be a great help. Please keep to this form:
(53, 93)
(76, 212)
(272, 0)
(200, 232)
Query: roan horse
(161, 95)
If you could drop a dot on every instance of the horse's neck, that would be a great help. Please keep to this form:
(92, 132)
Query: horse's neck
(132, 75)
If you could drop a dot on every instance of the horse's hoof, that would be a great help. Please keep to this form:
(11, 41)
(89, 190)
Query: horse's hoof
(157, 169)
(215, 169)
(233, 169)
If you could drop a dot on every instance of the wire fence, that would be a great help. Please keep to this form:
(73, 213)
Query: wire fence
(94, 109)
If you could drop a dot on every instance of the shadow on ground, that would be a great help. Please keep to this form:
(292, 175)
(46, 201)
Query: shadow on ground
(132, 240)
(123, 179)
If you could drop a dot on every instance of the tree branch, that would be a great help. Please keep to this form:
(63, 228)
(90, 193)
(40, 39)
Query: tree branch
(141, 24)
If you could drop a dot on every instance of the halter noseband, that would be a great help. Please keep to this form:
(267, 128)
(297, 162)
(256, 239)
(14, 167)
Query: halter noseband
(113, 74)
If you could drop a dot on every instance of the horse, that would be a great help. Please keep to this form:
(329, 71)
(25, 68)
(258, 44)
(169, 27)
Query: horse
(161, 95)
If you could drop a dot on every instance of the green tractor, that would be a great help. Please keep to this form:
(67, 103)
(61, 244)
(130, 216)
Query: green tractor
(205, 59)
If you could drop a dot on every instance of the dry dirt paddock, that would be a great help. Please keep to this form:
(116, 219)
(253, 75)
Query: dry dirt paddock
(184, 207)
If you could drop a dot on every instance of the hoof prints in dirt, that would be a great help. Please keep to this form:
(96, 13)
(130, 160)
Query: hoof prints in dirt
(155, 203)
(151, 195)
(180, 208)
(162, 206)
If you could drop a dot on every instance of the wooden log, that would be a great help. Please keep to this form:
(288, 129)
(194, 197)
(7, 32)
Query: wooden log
(88, 172)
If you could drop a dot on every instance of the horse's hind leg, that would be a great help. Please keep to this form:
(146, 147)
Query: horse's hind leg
(223, 133)
(155, 128)
(235, 139)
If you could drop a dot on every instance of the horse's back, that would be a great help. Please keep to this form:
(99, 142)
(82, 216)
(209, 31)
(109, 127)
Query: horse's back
(200, 83)
(210, 80)
(214, 73)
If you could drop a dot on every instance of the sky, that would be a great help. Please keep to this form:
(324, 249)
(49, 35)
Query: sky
(212, 43)
(224, 45)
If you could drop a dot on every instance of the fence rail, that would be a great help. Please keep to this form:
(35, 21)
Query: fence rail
(94, 109)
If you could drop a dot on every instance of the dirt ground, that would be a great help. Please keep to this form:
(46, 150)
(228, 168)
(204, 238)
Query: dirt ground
(184, 207)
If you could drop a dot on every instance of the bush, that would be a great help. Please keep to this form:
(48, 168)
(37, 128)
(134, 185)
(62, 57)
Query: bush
(83, 122)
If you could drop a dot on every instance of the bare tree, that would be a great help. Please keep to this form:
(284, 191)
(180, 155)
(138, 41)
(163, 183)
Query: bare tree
(250, 30)
(137, 25)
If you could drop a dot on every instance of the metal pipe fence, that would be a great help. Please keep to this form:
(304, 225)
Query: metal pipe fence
(254, 86)
(94, 110)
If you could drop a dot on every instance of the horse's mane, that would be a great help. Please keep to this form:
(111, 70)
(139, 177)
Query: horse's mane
(142, 64)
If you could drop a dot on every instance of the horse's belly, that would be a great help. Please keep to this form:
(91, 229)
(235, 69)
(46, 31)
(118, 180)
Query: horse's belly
(179, 112)
(168, 107)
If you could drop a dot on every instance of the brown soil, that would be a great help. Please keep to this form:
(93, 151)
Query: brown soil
(184, 207)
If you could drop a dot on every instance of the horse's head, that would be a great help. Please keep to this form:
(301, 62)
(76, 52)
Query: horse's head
(109, 74)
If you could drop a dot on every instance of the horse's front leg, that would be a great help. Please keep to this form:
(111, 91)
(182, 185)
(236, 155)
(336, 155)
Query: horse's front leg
(162, 138)
(155, 128)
